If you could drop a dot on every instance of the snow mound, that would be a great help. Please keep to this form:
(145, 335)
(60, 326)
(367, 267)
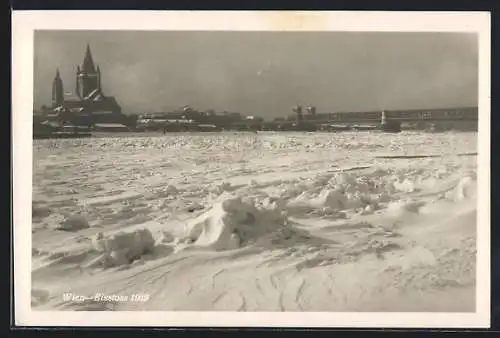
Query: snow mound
(334, 199)
(73, 223)
(405, 207)
(165, 237)
(171, 190)
(465, 189)
(122, 247)
(223, 187)
(406, 185)
(233, 221)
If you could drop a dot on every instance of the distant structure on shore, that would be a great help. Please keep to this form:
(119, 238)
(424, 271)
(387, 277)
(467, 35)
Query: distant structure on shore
(87, 105)
(189, 119)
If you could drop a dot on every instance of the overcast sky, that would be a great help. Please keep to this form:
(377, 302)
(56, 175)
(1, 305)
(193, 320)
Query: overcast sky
(266, 73)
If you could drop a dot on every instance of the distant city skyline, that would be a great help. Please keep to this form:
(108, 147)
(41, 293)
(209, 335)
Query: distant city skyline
(266, 73)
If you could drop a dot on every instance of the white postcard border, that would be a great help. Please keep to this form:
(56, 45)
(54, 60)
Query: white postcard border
(24, 23)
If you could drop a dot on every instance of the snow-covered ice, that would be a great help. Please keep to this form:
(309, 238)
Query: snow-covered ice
(257, 222)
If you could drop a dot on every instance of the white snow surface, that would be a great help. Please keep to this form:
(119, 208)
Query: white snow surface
(257, 222)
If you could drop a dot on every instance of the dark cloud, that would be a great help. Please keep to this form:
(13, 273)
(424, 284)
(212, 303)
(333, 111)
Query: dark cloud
(267, 73)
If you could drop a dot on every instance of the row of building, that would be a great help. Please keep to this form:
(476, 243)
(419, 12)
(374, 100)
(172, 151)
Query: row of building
(87, 105)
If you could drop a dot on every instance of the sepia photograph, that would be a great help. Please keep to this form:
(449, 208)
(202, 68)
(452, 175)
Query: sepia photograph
(271, 171)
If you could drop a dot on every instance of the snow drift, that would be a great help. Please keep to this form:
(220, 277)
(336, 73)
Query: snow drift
(233, 221)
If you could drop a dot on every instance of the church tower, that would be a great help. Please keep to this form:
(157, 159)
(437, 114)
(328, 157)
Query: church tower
(88, 78)
(57, 90)
(98, 79)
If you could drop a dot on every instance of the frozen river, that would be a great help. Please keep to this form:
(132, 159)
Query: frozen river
(257, 222)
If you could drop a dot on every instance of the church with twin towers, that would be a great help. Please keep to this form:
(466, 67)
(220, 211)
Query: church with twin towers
(87, 104)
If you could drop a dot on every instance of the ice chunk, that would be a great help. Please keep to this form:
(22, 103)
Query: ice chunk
(73, 223)
(233, 221)
(123, 247)
(333, 199)
(465, 188)
(165, 237)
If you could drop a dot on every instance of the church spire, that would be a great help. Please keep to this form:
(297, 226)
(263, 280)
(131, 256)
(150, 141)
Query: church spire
(77, 84)
(98, 78)
(88, 62)
(57, 90)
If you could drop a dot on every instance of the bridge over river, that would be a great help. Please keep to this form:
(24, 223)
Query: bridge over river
(450, 114)
(444, 118)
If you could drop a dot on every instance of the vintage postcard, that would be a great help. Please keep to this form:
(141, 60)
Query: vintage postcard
(283, 169)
